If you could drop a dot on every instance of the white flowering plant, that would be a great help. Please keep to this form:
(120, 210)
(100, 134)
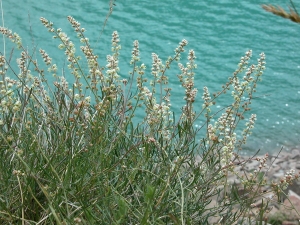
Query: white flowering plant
(75, 153)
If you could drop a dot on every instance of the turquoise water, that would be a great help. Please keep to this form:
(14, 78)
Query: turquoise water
(220, 33)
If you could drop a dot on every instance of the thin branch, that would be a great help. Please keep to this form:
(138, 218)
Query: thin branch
(111, 7)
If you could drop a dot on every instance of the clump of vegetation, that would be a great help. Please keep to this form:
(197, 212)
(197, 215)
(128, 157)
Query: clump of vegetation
(76, 153)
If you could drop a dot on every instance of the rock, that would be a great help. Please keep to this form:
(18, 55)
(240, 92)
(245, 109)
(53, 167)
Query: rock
(273, 169)
(295, 153)
(264, 197)
(279, 174)
(292, 165)
(289, 223)
(291, 206)
(251, 165)
(233, 180)
(278, 161)
(295, 187)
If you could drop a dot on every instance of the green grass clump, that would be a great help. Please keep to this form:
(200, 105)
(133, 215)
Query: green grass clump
(77, 154)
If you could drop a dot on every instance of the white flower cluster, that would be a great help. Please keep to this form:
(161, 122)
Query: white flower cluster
(180, 49)
(95, 72)
(45, 57)
(66, 44)
(249, 127)
(186, 79)
(8, 101)
(14, 37)
(22, 65)
(157, 115)
(112, 67)
(206, 97)
(157, 68)
(116, 47)
(135, 53)
(222, 134)
(2, 65)
(261, 64)
(288, 179)
(113, 60)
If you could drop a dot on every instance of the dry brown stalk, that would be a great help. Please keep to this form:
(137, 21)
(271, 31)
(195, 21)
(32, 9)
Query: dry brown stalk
(277, 10)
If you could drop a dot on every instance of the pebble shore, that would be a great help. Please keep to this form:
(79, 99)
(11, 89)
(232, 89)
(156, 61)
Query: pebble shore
(276, 167)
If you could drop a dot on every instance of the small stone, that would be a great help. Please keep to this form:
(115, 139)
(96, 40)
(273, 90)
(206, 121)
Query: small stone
(295, 153)
(289, 209)
(289, 223)
(279, 161)
(265, 197)
(279, 174)
(273, 169)
(287, 155)
(251, 165)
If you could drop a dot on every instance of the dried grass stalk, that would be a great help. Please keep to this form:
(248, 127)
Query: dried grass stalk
(277, 10)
